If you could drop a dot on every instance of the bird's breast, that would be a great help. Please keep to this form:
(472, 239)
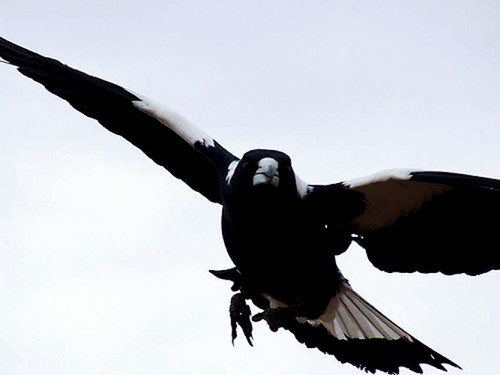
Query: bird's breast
(281, 252)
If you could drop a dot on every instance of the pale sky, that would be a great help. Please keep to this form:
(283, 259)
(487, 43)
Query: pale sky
(104, 255)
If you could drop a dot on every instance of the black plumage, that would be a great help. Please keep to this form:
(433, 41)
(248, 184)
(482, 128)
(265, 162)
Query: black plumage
(283, 234)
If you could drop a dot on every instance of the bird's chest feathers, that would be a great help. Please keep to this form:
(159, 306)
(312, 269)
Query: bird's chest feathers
(267, 232)
(278, 247)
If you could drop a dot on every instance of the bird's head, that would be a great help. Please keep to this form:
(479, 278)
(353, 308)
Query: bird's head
(265, 171)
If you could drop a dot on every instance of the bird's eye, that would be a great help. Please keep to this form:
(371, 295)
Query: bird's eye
(247, 166)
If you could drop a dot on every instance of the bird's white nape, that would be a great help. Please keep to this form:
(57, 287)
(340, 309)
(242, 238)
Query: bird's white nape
(230, 171)
(303, 188)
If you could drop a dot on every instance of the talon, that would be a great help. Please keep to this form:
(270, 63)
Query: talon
(258, 317)
(273, 317)
(240, 313)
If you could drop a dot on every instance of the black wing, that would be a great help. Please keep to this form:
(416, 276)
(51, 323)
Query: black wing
(425, 221)
(163, 135)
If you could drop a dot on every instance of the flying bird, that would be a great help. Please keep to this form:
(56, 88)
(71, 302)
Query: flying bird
(283, 234)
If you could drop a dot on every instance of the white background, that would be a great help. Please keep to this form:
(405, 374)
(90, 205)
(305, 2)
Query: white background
(104, 255)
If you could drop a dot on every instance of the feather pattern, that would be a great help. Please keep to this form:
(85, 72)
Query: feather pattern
(355, 332)
(350, 316)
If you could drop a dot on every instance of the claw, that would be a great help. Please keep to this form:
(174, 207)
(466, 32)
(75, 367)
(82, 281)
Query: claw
(273, 316)
(240, 314)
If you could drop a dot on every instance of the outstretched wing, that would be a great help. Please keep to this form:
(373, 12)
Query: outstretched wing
(168, 139)
(425, 221)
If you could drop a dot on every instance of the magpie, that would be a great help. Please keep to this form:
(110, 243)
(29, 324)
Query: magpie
(283, 234)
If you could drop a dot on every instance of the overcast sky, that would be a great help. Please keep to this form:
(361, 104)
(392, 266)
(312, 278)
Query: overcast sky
(104, 255)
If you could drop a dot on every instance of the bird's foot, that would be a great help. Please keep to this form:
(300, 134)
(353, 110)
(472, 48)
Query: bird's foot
(274, 317)
(239, 311)
(240, 314)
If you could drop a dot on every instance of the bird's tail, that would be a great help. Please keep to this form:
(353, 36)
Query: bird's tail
(355, 332)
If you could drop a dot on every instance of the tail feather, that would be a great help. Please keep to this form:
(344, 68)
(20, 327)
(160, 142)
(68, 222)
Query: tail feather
(355, 332)
(349, 316)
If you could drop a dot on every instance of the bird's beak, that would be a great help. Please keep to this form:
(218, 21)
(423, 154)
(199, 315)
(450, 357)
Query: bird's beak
(267, 173)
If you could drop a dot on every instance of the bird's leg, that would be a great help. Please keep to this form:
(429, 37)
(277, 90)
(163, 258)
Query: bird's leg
(239, 311)
(275, 317)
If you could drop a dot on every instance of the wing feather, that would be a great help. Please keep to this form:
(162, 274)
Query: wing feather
(431, 222)
(417, 221)
(164, 136)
